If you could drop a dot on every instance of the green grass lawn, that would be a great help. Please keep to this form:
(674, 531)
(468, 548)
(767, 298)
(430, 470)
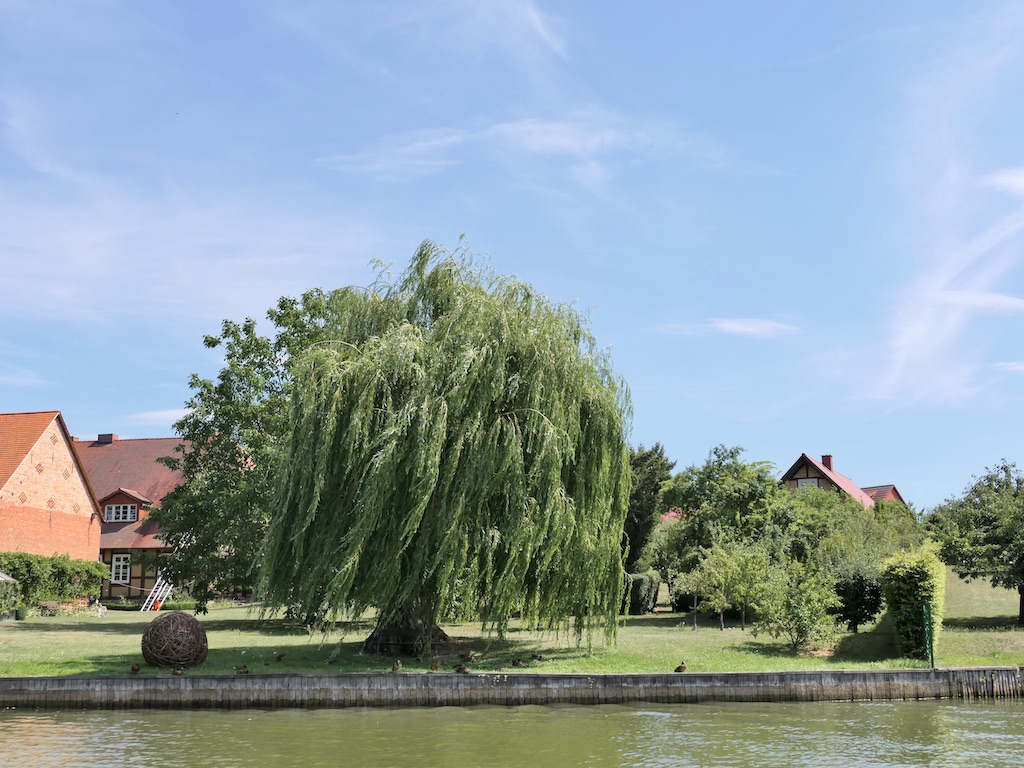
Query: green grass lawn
(980, 630)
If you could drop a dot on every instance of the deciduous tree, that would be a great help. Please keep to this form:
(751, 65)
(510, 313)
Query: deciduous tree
(982, 531)
(232, 431)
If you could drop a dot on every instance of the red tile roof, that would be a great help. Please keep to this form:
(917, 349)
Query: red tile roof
(142, 534)
(124, 464)
(842, 482)
(18, 433)
(884, 493)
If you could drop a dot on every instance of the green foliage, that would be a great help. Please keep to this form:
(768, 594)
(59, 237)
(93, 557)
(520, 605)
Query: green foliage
(730, 575)
(667, 548)
(650, 470)
(725, 494)
(982, 532)
(679, 596)
(57, 578)
(643, 592)
(798, 605)
(232, 433)
(456, 436)
(10, 598)
(850, 542)
(909, 581)
(860, 600)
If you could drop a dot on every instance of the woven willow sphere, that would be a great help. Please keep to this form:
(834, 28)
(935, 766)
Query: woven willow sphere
(174, 640)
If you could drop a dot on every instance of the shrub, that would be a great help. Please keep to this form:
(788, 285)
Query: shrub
(911, 580)
(643, 592)
(57, 578)
(10, 597)
(798, 605)
(860, 599)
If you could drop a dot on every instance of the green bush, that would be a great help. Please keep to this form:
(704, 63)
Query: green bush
(643, 592)
(10, 598)
(53, 579)
(860, 600)
(798, 605)
(910, 580)
(680, 597)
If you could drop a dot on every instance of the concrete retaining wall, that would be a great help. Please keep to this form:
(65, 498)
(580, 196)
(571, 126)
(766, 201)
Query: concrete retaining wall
(197, 691)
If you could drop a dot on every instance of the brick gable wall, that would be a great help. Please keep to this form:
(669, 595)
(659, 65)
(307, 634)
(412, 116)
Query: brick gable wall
(45, 507)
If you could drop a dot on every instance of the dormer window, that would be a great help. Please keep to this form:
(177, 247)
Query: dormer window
(121, 513)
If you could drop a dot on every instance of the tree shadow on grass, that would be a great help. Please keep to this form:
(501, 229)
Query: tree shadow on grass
(659, 620)
(1002, 623)
(876, 644)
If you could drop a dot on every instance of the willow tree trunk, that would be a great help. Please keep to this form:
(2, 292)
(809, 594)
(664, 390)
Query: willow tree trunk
(405, 630)
(1020, 606)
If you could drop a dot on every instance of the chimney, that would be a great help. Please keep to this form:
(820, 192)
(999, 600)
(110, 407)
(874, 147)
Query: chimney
(106, 439)
(826, 459)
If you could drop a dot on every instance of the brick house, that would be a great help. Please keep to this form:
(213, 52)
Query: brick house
(47, 505)
(129, 482)
(808, 471)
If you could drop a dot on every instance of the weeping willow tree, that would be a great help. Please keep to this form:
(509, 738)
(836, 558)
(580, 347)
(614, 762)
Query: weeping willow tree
(457, 443)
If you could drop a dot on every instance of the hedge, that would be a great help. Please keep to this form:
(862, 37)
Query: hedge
(910, 580)
(643, 592)
(57, 579)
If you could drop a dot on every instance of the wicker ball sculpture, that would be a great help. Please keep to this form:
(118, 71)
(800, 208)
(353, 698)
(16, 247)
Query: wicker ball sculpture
(174, 640)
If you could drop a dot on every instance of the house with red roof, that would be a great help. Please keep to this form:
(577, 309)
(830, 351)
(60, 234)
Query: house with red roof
(129, 481)
(823, 474)
(47, 505)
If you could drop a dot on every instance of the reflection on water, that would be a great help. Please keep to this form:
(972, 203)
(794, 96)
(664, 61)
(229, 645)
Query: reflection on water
(848, 735)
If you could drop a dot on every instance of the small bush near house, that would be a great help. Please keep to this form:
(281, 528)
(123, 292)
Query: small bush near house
(10, 598)
(53, 579)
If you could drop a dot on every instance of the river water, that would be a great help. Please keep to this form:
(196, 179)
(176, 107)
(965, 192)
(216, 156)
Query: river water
(857, 735)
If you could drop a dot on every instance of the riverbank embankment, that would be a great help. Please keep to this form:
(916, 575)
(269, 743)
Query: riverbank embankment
(198, 691)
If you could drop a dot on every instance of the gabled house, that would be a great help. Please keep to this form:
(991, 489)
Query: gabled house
(808, 471)
(47, 506)
(129, 482)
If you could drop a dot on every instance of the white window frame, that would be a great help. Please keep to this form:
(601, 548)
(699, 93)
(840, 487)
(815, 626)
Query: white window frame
(121, 569)
(121, 513)
(802, 481)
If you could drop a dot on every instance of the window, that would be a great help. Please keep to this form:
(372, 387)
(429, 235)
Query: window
(122, 513)
(120, 569)
(801, 482)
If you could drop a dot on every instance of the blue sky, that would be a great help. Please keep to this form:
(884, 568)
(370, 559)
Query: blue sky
(798, 226)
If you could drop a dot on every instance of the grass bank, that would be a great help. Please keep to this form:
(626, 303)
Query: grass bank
(980, 630)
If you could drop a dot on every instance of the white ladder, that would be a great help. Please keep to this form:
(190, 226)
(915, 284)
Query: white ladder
(160, 592)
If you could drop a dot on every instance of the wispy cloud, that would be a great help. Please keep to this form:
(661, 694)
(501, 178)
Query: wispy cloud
(156, 417)
(592, 144)
(1017, 367)
(583, 139)
(20, 377)
(731, 326)
(1010, 180)
(412, 154)
(971, 241)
